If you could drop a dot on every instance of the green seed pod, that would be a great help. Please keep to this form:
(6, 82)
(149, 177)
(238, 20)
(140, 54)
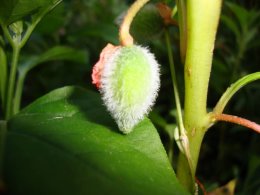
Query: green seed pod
(129, 82)
(147, 24)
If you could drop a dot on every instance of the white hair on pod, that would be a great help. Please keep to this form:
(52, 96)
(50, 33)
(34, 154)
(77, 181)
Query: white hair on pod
(128, 106)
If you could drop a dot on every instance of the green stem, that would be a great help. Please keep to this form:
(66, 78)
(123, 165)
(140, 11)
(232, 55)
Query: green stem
(174, 81)
(12, 78)
(35, 22)
(202, 22)
(182, 137)
(18, 92)
(3, 76)
(17, 45)
(182, 13)
(29, 30)
(233, 89)
(8, 36)
(181, 133)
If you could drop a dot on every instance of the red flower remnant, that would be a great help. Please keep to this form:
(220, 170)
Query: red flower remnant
(165, 13)
(99, 66)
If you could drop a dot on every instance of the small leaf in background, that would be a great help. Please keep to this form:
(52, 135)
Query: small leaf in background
(106, 32)
(13, 10)
(53, 22)
(232, 25)
(147, 24)
(240, 13)
(252, 182)
(55, 53)
(66, 143)
(243, 24)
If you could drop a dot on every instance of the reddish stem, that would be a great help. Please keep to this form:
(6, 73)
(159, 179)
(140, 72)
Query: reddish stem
(238, 120)
(201, 186)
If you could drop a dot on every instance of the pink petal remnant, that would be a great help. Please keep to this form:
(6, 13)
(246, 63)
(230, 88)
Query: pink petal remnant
(99, 66)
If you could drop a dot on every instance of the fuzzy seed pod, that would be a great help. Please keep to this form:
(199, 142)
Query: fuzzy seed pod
(128, 79)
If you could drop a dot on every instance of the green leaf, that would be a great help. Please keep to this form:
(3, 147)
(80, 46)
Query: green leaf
(103, 31)
(3, 74)
(55, 53)
(13, 10)
(252, 181)
(53, 22)
(66, 143)
(233, 89)
(231, 24)
(240, 13)
(251, 35)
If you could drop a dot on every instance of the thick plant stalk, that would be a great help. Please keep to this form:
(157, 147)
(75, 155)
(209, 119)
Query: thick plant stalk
(202, 22)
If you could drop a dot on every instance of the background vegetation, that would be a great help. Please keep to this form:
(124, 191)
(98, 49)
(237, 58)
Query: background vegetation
(229, 152)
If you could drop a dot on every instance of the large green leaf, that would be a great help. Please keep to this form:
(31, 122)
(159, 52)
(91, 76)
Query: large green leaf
(66, 143)
(13, 10)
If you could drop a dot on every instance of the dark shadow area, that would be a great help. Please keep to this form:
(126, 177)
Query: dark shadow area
(91, 106)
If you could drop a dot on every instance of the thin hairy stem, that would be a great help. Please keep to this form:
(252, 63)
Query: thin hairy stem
(124, 36)
(174, 82)
(183, 139)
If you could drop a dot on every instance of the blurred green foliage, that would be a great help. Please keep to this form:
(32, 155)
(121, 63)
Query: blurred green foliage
(228, 151)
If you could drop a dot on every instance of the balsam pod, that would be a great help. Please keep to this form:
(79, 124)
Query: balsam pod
(128, 79)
